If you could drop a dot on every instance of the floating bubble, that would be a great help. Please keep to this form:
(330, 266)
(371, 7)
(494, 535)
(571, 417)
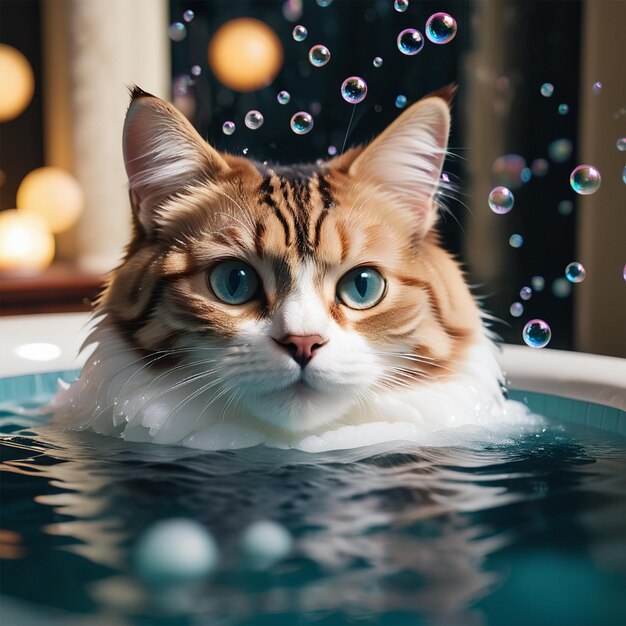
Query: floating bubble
(539, 167)
(525, 293)
(283, 97)
(181, 85)
(254, 119)
(264, 543)
(188, 15)
(401, 5)
(228, 128)
(546, 90)
(301, 122)
(410, 41)
(324, 3)
(585, 179)
(563, 109)
(507, 170)
(561, 287)
(177, 31)
(354, 89)
(526, 174)
(332, 150)
(624, 175)
(624, 273)
(292, 10)
(299, 32)
(560, 150)
(620, 144)
(319, 55)
(575, 272)
(516, 241)
(536, 334)
(501, 200)
(440, 28)
(597, 87)
(196, 70)
(401, 101)
(516, 309)
(377, 62)
(565, 207)
(245, 150)
(378, 108)
(538, 283)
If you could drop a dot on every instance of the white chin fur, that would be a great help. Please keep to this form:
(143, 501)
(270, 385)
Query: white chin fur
(117, 395)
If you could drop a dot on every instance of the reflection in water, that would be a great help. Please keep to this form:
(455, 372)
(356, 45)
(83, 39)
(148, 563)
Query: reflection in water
(388, 534)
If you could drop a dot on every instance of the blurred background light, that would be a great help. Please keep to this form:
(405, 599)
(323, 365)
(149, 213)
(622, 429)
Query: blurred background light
(17, 83)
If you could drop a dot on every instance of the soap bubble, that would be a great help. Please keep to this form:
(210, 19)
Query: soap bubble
(228, 128)
(546, 90)
(597, 86)
(254, 119)
(301, 123)
(401, 5)
(526, 174)
(410, 41)
(516, 241)
(501, 200)
(354, 89)
(561, 287)
(507, 170)
(377, 62)
(538, 283)
(440, 28)
(525, 293)
(560, 150)
(624, 175)
(565, 207)
(292, 10)
(575, 272)
(624, 273)
(264, 543)
(319, 55)
(401, 101)
(188, 15)
(324, 3)
(299, 32)
(196, 70)
(563, 109)
(585, 179)
(536, 334)
(516, 309)
(620, 144)
(177, 31)
(539, 167)
(283, 97)
(332, 150)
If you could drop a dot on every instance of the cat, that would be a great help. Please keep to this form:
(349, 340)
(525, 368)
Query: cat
(265, 303)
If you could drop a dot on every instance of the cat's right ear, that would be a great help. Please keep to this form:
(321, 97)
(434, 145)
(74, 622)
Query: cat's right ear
(162, 153)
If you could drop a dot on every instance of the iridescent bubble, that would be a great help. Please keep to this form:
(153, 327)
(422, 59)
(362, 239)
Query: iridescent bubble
(401, 101)
(410, 41)
(565, 207)
(188, 15)
(538, 283)
(301, 123)
(196, 70)
(254, 119)
(620, 144)
(546, 90)
(354, 89)
(624, 175)
(525, 293)
(283, 97)
(177, 31)
(585, 179)
(536, 334)
(299, 32)
(440, 28)
(560, 150)
(319, 55)
(377, 62)
(332, 150)
(516, 241)
(401, 5)
(624, 273)
(526, 174)
(575, 272)
(507, 170)
(516, 309)
(597, 87)
(228, 128)
(539, 167)
(561, 287)
(501, 200)
(563, 109)
(324, 3)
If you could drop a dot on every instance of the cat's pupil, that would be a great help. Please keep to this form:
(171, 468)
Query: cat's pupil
(361, 283)
(234, 280)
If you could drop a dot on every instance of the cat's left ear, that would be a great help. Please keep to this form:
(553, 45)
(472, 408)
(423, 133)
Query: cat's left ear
(406, 159)
(163, 153)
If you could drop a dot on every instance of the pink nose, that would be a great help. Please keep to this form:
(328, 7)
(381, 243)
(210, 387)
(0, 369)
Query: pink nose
(301, 347)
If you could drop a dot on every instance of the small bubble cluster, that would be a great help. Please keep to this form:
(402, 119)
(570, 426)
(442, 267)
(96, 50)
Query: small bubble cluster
(516, 309)
(301, 123)
(516, 241)
(575, 272)
(620, 144)
(560, 150)
(319, 55)
(537, 334)
(538, 283)
(401, 5)
(299, 32)
(254, 119)
(228, 128)
(585, 179)
(177, 31)
(354, 89)
(188, 15)
(501, 200)
(283, 97)
(401, 101)
(563, 109)
(377, 62)
(525, 293)
(546, 90)
(440, 28)
(410, 41)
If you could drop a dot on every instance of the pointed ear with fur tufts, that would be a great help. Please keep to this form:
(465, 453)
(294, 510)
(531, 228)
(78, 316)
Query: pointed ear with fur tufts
(163, 153)
(406, 159)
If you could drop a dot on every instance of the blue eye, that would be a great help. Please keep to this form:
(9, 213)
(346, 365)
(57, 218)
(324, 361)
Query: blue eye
(361, 288)
(234, 282)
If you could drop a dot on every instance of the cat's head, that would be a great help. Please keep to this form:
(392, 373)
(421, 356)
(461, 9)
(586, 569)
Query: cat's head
(301, 290)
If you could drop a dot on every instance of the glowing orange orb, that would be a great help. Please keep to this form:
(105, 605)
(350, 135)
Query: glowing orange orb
(17, 83)
(245, 54)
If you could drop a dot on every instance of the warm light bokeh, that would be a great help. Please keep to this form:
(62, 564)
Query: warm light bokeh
(26, 244)
(17, 83)
(245, 54)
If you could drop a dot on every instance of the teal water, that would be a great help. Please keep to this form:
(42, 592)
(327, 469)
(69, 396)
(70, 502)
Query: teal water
(528, 532)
